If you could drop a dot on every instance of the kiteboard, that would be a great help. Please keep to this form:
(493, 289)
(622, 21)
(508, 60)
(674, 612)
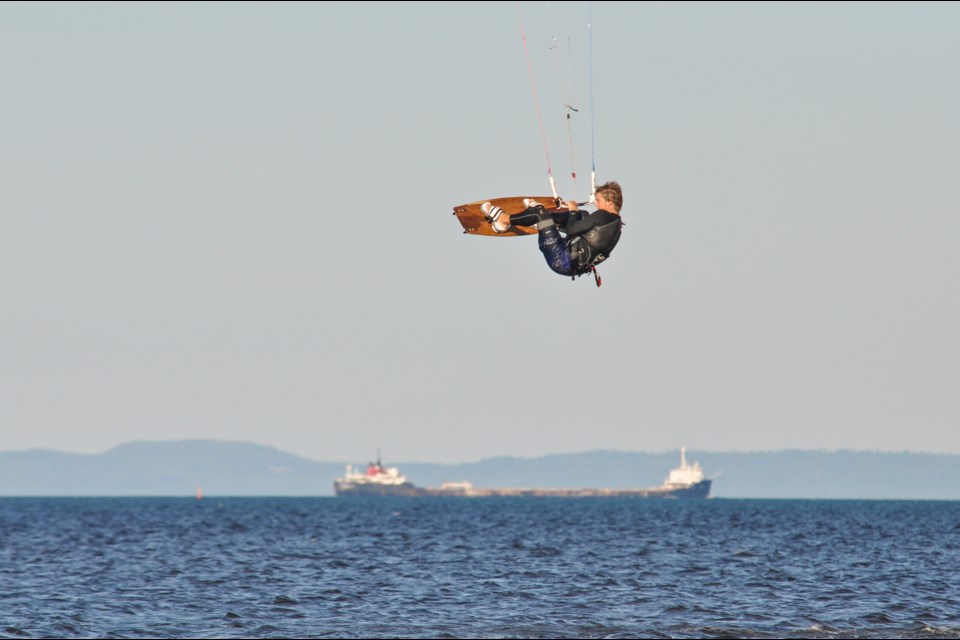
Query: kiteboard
(475, 223)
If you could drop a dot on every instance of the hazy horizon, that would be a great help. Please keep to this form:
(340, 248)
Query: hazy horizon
(372, 455)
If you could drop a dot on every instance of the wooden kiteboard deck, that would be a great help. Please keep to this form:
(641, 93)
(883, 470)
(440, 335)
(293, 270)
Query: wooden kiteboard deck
(474, 222)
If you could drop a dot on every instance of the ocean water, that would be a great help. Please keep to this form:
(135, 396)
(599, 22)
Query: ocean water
(477, 568)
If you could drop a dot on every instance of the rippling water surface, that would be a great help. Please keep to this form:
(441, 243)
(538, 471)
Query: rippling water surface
(483, 568)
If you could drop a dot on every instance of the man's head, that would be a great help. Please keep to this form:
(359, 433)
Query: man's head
(610, 191)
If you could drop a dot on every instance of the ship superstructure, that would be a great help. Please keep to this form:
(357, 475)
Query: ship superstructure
(374, 480)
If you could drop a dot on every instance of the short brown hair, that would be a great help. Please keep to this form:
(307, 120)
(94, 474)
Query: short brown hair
(612, 192)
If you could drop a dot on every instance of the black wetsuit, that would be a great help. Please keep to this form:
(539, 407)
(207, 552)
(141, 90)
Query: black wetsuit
(590, 237)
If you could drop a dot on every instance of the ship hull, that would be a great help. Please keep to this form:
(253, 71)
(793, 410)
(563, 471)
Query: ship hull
(700, 490)
(373, 489)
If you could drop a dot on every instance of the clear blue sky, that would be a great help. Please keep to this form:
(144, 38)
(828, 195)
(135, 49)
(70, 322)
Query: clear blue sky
(233, 221)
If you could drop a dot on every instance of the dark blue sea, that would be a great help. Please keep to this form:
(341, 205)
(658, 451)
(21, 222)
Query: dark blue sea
(477, 568)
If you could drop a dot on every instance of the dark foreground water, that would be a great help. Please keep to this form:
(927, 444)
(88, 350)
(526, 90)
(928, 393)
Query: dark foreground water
(483, 568)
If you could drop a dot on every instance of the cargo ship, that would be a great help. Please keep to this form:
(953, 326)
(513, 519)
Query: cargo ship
(685, 481)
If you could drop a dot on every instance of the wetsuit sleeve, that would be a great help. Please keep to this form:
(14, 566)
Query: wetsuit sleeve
(587, 222)
(566, 217)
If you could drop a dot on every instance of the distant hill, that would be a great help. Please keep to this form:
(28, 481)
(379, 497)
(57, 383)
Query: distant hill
(224, 468)
(167, 469)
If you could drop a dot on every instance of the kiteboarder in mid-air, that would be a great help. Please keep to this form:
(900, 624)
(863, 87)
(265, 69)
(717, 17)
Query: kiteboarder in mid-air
(589, 237)
(572, 241)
